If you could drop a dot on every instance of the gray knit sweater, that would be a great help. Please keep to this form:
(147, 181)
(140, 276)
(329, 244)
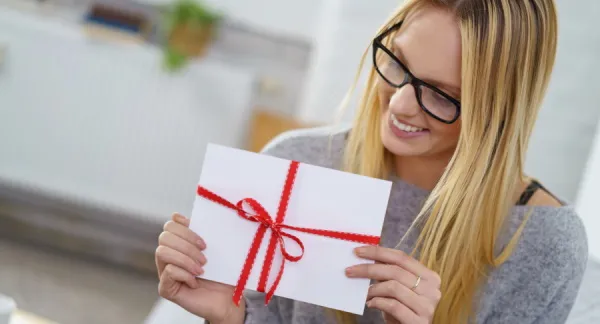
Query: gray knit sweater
(538, 284)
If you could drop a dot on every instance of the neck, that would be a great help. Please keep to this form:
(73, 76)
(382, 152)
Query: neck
(423, 172)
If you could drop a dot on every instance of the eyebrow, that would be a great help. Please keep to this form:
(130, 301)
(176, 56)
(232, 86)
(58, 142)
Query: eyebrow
(450, 89)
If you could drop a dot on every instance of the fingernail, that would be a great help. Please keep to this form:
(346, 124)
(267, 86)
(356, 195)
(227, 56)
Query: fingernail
(198, 270)
(360, 250)
(201, 244)
(349, 271)
(369, 303)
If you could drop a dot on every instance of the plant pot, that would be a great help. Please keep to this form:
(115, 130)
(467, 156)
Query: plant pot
(191, 39)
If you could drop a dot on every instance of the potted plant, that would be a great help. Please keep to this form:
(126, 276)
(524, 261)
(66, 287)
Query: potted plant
(190, 29)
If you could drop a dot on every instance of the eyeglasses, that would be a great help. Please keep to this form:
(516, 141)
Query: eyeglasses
(432, 100)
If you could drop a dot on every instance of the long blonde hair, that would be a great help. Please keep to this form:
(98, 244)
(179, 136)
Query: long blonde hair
(508, 52)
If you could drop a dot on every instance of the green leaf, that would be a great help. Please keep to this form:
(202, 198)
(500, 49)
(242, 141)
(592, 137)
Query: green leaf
(184, 11)
(173, 60)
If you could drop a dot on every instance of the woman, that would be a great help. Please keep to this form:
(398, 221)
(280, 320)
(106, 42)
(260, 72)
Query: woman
(446, 115)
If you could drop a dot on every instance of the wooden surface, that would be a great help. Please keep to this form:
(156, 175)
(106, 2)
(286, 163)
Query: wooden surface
(22, 317)
(267, 125)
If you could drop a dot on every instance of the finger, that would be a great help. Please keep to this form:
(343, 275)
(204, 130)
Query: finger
(385, 272)
(175, 227)
(395, 309)
(184, 232)
(397, 257)
(175, 273)
(393, 289)
(175, 242)
(160, 265)
(377, 271)
(180, 219)
(168, 256)
(172, 226)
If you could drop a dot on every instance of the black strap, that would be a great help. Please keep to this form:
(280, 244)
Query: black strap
(528, 193)
(530, 190)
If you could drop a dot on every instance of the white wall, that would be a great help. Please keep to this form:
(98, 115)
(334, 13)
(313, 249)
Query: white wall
(292, 18)
(565, 130)
(562, 138)
(587, 201)
(289, 18)
(345, 29)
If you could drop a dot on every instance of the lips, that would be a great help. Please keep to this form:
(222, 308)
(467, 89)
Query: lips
(405, 127)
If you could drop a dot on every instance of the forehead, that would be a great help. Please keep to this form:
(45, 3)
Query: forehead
(430, 43)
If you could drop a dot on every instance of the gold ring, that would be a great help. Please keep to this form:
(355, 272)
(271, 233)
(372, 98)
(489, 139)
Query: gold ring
(414, 287)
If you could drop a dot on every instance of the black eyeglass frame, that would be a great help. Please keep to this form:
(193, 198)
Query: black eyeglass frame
(409, 77)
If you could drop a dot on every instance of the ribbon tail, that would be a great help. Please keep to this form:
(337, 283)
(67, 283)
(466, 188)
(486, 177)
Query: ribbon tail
(248, 264)
(281, 212)
(266, 269)
(271, 291)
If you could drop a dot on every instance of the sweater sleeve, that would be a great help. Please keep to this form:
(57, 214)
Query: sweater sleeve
(570, 254)
(560, 307)
(541, 281)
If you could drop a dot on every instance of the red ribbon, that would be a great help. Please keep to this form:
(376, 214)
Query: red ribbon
(261, 216)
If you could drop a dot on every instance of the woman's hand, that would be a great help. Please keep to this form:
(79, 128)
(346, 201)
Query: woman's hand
(406, 291)
(179, 259)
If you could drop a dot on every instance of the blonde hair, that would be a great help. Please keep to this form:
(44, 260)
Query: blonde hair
(508, 52)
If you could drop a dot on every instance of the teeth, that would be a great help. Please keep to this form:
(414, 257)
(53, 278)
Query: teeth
(404, 127)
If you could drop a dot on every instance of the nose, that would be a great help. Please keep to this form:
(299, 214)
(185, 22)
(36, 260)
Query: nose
(404, 101)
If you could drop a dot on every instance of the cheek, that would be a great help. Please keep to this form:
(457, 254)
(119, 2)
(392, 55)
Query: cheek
(445, 132)
(384, 93)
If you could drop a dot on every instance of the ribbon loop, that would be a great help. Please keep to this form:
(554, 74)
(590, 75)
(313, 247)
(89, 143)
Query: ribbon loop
(259, 213)
(284, 251)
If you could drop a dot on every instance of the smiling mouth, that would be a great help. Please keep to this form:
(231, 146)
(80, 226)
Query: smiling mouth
(405, 127)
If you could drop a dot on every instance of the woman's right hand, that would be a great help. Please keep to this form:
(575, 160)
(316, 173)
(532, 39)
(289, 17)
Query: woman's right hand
(179, 259)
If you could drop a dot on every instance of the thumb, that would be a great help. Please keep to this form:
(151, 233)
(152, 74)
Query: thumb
(168, 286)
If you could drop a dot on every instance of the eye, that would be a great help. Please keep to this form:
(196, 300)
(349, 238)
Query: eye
(440, 98)
(390, 63)
(394, 64)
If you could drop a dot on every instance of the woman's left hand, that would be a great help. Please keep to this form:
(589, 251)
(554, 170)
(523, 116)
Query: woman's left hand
(405, 291)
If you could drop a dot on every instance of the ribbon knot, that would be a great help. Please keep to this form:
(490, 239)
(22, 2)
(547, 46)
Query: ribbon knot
(260, 215)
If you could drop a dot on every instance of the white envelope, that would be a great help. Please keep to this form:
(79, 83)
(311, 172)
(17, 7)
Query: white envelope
(321, 198)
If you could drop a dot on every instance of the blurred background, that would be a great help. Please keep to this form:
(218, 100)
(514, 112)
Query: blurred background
(106, 108)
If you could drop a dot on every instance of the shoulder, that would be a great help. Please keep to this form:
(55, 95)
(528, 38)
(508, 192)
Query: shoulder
(541, 278)
(554, 240)
(559, 232)
(555, 228)
(544, 198)
(536, 194)
(322, 146)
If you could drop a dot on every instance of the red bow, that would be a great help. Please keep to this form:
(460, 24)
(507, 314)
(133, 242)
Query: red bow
(261, 216)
